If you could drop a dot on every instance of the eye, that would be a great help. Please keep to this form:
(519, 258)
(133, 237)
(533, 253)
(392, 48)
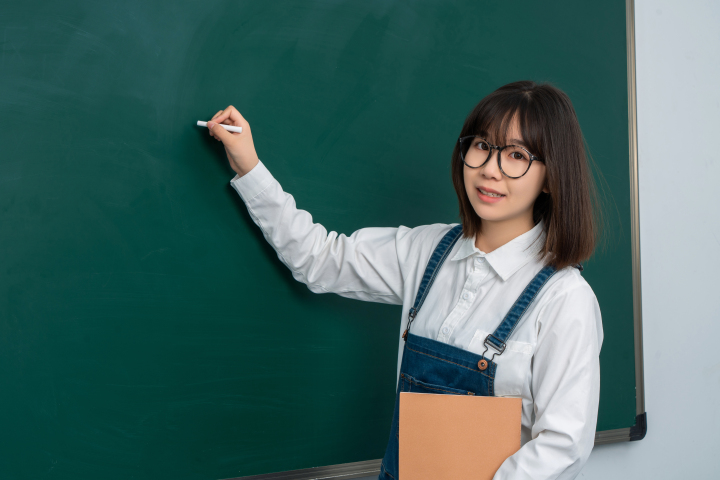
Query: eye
(481, 145)
(517, 153)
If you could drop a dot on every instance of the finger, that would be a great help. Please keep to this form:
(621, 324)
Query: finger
(231, 116)
(237, 119)
(221, 116)
(218, 118)
(219, 132)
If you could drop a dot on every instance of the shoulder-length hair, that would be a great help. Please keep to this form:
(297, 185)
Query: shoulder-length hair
(550, 129)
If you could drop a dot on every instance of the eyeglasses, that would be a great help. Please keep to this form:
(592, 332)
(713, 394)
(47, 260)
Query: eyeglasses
(514, 161)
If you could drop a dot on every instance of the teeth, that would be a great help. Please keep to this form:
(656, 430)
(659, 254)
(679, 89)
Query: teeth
(490, 194)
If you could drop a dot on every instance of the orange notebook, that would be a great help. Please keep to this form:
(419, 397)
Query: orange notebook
(456, 437)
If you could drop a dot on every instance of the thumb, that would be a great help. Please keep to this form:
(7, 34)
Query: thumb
(220, 132)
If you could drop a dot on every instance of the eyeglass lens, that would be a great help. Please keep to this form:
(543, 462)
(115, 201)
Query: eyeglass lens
(514, 159)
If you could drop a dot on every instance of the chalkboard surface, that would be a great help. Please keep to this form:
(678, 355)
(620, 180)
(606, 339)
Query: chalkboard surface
(147, 330)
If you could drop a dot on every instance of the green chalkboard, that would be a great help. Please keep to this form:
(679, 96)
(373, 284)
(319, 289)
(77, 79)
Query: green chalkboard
(147, 330)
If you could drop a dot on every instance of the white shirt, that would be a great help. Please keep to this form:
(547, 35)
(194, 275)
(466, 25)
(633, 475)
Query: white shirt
(552, 358)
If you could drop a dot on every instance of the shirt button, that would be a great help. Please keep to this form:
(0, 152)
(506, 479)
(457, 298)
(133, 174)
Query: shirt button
(466, 295)
(445, 330)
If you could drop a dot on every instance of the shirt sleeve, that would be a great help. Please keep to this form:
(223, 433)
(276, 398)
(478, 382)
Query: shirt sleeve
(565, 387)
(363, 266)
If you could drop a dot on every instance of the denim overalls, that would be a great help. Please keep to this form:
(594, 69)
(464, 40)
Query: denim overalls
(430, 366)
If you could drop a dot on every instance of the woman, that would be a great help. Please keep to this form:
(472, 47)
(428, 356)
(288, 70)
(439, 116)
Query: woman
(508, 298)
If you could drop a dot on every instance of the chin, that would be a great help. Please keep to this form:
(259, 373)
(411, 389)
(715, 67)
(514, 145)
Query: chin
(487, 213)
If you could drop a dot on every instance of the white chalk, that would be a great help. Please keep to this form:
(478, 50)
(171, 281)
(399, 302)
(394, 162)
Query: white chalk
(226, 127)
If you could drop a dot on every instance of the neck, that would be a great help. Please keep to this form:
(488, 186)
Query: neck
(494, 235)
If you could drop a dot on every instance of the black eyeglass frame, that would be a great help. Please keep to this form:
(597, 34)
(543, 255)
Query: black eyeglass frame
(499, 149)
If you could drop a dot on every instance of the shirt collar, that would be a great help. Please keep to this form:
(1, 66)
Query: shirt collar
(509, 258)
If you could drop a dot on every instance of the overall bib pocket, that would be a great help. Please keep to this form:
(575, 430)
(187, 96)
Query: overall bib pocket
(412, 384)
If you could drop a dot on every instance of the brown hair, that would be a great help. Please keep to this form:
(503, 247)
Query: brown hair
(550, 129)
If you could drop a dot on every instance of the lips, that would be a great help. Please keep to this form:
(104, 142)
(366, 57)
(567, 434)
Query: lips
(490, 192)
(488, 197)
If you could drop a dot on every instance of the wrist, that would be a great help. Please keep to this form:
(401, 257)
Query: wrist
(243, 170)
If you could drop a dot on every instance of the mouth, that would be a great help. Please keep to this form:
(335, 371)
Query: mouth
(489, 197)
(489, 194)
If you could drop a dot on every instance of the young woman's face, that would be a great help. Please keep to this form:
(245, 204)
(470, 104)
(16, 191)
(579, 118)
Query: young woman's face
(519, 194)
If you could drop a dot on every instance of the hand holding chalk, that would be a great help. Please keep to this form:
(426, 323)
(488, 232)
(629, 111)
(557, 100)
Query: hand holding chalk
(236, 137)
(226, 127)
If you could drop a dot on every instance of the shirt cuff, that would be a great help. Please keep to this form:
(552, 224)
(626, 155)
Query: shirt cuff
(252, 183)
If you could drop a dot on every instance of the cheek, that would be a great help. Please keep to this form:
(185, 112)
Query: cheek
(469, 185)
(528, 191)
(535, 183)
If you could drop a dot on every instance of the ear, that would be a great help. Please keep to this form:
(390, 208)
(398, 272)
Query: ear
(546, 190)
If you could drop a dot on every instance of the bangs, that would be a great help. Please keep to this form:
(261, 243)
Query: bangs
(494, 117)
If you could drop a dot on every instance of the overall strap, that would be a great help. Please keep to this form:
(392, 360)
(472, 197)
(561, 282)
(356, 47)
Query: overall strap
(441, 252)
(507, 326)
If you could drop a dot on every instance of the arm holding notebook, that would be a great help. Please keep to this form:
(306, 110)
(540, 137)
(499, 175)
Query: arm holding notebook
(565, 388)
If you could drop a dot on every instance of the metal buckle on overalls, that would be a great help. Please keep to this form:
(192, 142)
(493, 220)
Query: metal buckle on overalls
(488, 345)
(411, 316)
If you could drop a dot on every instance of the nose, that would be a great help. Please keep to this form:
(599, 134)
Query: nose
(491, 169)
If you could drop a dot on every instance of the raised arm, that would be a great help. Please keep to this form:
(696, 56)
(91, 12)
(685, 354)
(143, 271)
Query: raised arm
(363, 266)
